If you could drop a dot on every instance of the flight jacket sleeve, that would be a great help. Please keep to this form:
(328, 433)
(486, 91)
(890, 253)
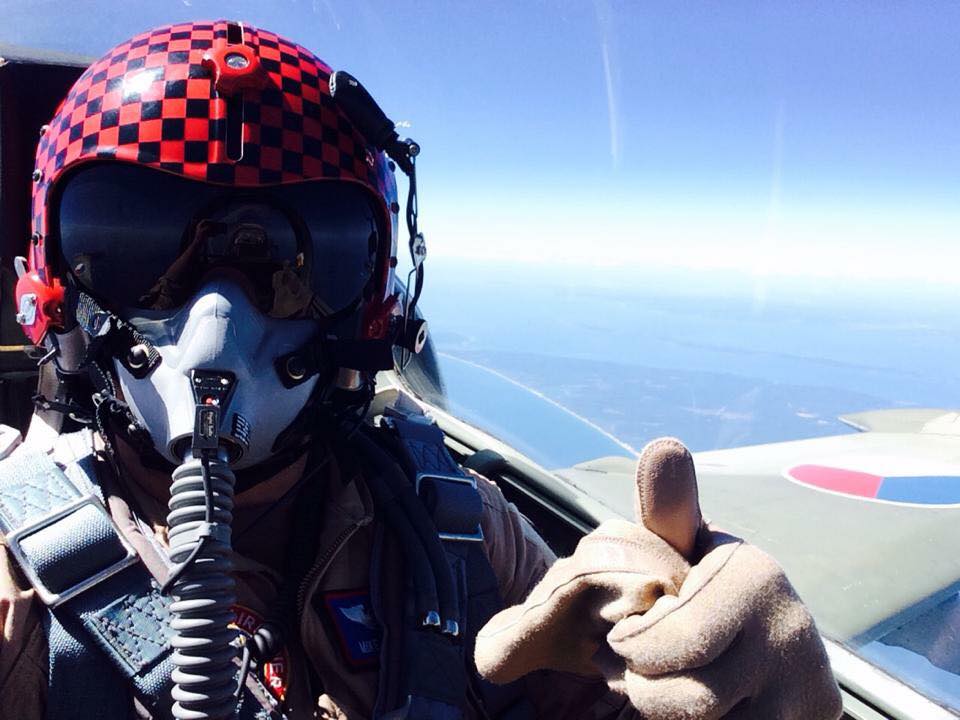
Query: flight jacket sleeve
(23, 645)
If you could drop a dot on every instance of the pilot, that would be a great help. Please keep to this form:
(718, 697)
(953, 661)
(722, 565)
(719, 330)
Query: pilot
(213, 515)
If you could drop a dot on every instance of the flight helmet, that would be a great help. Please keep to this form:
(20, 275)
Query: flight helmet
(201, 202)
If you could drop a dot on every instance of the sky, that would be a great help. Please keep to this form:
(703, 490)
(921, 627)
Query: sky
(801, 139)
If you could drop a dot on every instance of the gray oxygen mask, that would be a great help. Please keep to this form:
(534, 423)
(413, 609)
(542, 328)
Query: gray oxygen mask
(213, 404)
(219, 330)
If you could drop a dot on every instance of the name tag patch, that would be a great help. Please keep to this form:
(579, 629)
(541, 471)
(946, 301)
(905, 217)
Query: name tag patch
(359, 634)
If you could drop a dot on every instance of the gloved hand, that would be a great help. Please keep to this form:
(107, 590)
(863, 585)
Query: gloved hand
(726, 638)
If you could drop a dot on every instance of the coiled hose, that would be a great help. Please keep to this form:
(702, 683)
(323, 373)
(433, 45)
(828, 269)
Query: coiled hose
(202, 586)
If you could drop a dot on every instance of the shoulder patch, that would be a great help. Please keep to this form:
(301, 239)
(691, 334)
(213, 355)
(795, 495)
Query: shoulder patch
(359, 634)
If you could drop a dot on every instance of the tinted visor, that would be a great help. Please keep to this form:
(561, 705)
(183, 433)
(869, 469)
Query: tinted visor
(140, 239)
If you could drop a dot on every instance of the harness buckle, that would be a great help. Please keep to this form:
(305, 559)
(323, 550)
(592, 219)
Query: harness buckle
(26, 559)
(476, 535)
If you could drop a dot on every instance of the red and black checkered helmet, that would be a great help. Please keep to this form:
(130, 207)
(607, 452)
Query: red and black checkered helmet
(219, 102)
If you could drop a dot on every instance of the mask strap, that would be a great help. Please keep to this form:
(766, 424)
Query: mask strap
(121, 339)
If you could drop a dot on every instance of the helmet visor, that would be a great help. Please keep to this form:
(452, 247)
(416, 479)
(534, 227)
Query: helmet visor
(142, 240)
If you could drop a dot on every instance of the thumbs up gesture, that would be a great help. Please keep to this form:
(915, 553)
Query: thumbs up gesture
(685, 620)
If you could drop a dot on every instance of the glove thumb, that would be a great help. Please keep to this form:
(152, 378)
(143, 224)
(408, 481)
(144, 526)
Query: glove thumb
(667, 502)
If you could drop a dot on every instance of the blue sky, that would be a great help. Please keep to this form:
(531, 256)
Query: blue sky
(801, 138)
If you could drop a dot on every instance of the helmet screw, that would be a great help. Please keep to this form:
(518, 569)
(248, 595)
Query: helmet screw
(37, 175)
(296, 368)
(236, 61)
(44, 129)
(137, 357)
(394, 207)
(35, 238)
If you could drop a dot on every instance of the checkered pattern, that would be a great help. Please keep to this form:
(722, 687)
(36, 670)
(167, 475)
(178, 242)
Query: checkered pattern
(151, 101)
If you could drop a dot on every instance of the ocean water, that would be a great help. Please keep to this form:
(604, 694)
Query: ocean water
(570, 366)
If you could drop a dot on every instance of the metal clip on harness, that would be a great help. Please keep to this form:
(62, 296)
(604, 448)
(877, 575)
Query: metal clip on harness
(202, 584)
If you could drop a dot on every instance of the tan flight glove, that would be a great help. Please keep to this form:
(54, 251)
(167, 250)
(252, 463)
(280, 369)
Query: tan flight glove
(727, 638)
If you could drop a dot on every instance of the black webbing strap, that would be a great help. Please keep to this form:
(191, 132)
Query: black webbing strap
(330, 352)
(440, 664)
(105, 328)
(449, 494)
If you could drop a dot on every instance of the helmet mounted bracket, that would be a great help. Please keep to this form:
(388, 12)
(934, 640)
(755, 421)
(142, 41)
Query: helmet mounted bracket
(364, 112)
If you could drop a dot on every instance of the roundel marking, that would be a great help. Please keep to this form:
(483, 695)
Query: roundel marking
(933, 490)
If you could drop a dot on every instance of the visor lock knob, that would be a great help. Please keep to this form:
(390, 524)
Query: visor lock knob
(138, 357)
(296, 368)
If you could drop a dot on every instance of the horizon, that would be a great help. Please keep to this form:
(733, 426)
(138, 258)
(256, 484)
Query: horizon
(777, 140)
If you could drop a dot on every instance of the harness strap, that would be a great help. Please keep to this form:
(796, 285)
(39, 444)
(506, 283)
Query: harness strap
(59, 532)
(453, 502)
(107, 625)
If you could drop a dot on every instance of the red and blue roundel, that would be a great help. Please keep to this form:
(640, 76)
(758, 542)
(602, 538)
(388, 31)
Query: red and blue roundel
(907, 489)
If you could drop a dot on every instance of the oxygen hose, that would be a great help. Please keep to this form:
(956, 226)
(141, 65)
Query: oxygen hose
(201, 504)
(202, 584)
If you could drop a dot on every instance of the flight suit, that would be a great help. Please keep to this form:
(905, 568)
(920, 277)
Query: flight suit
(339, 639)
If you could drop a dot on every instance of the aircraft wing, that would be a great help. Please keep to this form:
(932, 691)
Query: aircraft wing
(867, 525)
